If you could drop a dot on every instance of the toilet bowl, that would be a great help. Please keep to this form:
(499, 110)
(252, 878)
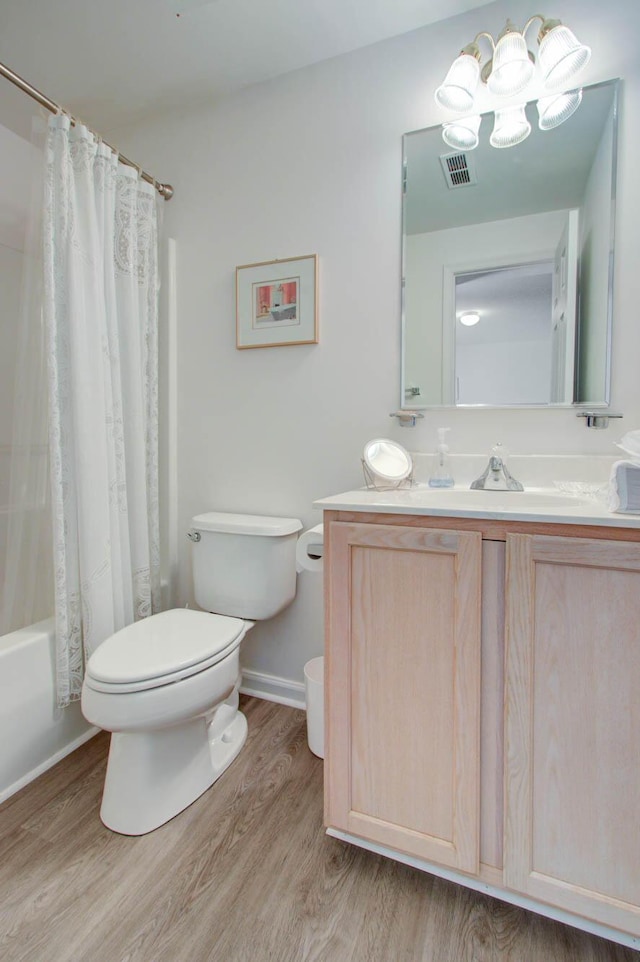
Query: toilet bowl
(166, 687)
(174, 721)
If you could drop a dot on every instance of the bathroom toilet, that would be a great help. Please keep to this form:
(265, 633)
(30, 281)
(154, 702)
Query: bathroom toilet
(167, 686)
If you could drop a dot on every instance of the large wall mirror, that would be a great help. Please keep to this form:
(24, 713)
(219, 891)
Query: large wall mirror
(508, 263)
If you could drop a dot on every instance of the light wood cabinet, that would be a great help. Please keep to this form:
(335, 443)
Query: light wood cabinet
(572, 767)
(404, 689)
(483, 715)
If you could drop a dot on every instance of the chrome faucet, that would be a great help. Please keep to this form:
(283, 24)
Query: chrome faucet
(496, 476)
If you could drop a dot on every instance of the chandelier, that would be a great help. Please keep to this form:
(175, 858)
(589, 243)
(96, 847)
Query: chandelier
(507, 73)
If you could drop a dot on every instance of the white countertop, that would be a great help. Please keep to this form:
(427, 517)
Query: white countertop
(533, 504)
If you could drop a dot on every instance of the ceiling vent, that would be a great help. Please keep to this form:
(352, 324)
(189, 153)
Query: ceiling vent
(459, 170)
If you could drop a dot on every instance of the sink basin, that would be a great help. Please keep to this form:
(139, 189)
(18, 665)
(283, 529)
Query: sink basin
(465, 499)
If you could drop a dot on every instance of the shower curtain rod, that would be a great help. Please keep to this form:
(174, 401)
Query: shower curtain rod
(165, 190)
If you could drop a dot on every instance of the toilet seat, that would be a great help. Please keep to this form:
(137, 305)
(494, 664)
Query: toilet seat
(163, 649)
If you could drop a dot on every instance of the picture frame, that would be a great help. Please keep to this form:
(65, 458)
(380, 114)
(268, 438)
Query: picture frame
(277, 303)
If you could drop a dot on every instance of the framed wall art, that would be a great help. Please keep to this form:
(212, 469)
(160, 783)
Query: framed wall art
(277, 303)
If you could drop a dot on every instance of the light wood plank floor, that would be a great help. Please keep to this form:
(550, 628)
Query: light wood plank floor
(246, 874)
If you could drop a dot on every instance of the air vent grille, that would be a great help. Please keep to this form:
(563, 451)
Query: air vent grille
(459, 170)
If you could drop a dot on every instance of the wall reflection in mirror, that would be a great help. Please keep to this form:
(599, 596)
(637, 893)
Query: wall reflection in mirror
(523, 239)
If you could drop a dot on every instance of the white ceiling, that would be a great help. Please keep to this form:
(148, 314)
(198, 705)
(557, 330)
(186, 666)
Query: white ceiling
(115, 61)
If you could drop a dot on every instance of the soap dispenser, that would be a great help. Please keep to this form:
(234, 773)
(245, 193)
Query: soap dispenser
(442, 477)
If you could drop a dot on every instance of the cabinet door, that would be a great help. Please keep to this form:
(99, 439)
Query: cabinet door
(572, 758)
(403, 688)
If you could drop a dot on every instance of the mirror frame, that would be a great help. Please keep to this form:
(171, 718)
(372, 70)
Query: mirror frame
(405, 404)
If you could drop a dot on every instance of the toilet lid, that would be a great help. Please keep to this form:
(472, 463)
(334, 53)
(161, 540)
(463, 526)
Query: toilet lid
(173, 643)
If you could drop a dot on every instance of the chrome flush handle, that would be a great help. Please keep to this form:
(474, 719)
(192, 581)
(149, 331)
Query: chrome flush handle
(194, 535)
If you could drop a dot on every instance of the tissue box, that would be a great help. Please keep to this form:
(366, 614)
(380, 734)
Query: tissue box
(625, 487)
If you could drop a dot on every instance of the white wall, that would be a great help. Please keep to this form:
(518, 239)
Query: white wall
(19, 160)
(15, 188)
(10, 279)
(270, 430)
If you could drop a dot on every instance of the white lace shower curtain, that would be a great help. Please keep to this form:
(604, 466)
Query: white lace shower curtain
(26, 578)
(101, 318)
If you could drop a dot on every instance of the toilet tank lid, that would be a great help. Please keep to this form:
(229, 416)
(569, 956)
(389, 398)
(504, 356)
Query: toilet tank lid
(246, 524)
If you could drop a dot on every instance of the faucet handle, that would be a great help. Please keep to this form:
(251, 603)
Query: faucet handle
(499, 451)
(497, 476)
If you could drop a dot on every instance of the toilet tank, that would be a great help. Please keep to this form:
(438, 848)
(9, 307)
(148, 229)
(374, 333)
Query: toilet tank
(244, 565)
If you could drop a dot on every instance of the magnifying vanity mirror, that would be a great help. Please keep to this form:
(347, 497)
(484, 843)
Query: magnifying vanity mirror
(508, 263)
(386, 462)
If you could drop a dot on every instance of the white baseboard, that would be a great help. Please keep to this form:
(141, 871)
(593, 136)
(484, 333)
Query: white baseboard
(272, 688)
(49, 763)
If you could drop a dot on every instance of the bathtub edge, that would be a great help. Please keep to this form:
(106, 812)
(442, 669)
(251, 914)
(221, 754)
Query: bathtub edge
(48, 763)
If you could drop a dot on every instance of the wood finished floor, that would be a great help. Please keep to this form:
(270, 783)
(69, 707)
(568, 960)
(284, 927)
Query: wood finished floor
(246, 874)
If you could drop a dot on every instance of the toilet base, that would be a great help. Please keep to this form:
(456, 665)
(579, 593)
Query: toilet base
(152, 776)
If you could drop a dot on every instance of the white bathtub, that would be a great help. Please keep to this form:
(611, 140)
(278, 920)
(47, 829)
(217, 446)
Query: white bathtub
(34, 732)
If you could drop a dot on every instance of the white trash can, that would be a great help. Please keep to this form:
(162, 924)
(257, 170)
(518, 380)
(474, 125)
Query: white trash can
(314, 689)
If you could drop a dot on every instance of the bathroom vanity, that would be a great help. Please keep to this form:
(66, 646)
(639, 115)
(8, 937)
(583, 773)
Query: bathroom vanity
(482, 708)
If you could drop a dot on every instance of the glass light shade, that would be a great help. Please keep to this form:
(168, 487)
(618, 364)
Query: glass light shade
(460, 85)
(561, 56)
(469, 318)
(554, 110)
(512, 67)
(511, 127)
(462, 134)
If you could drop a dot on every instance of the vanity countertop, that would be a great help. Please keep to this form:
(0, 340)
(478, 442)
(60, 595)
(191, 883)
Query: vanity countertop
(534, 504)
